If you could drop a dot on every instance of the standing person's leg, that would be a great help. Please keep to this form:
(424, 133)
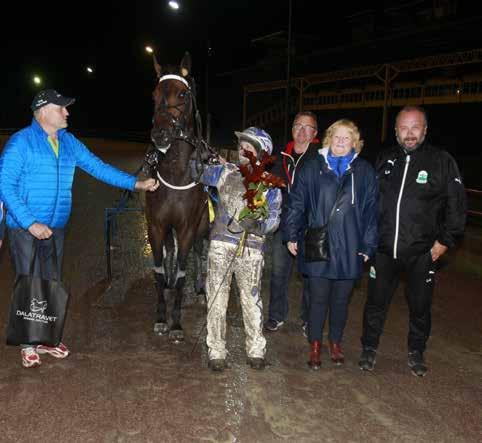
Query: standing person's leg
(384, 277)
(305, 305)
(48, 255)
(249, 270)
(320, 289)
(281, 269)
(338, 300)
(419, 291)
(218, 282)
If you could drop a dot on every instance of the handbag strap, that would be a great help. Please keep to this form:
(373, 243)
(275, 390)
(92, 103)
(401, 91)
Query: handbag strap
(55, 261)
(33, 256)
(337, 200)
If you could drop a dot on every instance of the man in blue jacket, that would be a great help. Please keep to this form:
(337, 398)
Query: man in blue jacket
(2, 223)
(37, 169)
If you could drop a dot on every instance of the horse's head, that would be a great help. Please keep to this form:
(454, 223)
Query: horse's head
(173, 103)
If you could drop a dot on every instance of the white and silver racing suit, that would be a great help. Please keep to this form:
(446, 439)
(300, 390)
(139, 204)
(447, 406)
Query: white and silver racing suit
(223, 262)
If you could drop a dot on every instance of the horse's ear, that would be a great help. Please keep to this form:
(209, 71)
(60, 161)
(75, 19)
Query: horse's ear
(157, 66)
(186, 65)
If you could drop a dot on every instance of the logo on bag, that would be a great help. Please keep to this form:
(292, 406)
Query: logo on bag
(36, 312)
(373, 272)
(38, 306)
(422, 177)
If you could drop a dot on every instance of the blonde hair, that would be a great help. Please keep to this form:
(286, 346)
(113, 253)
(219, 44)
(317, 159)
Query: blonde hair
(354, 131)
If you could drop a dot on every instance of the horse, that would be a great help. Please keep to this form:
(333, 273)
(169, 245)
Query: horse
(177, 213)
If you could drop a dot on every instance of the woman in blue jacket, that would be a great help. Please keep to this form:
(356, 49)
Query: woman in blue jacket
(352, 230)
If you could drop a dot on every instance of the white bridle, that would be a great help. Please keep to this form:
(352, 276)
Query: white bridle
(174, 77)
(164, 182)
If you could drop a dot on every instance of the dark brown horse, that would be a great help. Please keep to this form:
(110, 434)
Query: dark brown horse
(176, 213)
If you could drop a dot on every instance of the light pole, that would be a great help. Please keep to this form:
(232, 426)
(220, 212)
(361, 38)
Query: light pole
(288, 71)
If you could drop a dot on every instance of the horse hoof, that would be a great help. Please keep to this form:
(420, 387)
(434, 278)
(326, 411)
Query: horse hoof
(177, 335)
(161, 328)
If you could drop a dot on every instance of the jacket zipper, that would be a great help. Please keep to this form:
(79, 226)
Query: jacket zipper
(397, 220)
(291, 178)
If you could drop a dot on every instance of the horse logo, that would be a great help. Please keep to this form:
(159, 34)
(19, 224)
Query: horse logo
(38, 306)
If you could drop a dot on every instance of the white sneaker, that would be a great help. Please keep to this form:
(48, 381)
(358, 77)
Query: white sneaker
(30, 357)
(59, 351)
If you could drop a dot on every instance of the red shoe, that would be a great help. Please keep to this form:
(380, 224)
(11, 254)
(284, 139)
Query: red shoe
(315, 354)
(59, 351)
(336, 353)
(30, 357)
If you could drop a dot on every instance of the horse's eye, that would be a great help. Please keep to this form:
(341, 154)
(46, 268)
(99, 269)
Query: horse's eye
(182, 94)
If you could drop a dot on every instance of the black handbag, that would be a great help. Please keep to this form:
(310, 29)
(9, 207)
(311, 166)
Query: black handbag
(316, 240)
(38, 307)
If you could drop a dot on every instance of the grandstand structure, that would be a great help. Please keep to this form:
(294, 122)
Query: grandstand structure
(439, 79)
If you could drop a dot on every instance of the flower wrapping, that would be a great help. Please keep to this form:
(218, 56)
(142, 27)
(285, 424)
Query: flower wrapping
(257, 181)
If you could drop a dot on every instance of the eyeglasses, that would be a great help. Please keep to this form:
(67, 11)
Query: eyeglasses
(308, 128)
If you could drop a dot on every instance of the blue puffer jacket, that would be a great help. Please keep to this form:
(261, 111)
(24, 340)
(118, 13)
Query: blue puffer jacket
(353, 227)
(2, 221)
(36, 186)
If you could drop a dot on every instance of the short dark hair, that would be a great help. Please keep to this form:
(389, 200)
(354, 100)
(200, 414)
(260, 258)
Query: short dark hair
(307, 114)
(411, 108)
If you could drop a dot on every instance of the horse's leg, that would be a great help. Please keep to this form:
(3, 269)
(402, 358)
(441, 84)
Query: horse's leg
(156, 237)
(185, 240)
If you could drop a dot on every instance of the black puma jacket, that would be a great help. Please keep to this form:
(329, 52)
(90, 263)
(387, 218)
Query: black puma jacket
(422, 199)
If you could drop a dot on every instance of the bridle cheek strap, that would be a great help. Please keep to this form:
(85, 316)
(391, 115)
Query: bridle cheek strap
(174, 77)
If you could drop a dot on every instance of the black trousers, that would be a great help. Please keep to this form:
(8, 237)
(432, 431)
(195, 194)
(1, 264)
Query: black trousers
(328, 298)
(21, 245)
(383, 281)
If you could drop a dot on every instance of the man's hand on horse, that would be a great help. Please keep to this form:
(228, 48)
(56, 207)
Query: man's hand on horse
(150, 185)
(40, 231)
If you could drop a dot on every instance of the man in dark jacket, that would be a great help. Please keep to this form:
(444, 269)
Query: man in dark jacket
(422, 212)
(304, 146)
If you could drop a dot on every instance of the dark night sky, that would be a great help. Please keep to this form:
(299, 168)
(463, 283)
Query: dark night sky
(57, 40)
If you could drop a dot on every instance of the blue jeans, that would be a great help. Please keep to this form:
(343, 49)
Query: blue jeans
(21, 245)
(328, 297)
(282, 267)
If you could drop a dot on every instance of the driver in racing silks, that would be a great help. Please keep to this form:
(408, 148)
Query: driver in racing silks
(227, 256)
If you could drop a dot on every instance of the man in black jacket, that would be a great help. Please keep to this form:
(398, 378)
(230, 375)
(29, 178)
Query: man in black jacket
(422, 212)
(303, 146)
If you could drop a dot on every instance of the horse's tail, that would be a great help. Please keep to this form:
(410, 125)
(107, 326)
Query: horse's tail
(170, 258)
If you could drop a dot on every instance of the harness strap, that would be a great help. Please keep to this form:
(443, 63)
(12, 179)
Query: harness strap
(178, 188)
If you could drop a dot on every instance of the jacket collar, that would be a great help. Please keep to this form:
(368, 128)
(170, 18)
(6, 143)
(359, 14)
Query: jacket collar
(421, 148)
(291, 145)
(324, 153)
(40, 131)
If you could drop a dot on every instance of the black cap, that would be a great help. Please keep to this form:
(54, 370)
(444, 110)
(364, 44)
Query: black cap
(50, 96)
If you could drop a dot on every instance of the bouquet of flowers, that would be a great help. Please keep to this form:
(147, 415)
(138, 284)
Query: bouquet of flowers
(257, 181)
